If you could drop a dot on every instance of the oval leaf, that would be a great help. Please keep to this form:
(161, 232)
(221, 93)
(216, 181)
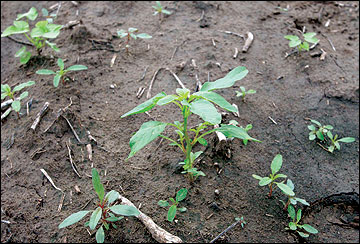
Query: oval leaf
(45, 72)
(265, 181)
(287, 190)
(303, 201)
(16, 105)
(206, 110)
(167, 99)
(234, 131)
(171, 213)
(298, 216)
(291, 211)
(145, 106)
(23, 95)
(60, 63)
(302, 234)
(347, 139)
(290, 184)
(111, 196)
(57, 80)
(292, 226)
(95, 217)
(100, 235)
(23, 85)
(181, 194)
(125, 210)
(202, 141)
(309, 229)
(217, 99)
(163, 203)
(257, 177)
(72, 219)
(31, 14)
(77, 67)
(99, 188)
(276, 164)
(144, 36)
(146, 134)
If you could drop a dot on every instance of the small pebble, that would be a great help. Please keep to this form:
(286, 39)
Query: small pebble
(112, 86)
(217, 192)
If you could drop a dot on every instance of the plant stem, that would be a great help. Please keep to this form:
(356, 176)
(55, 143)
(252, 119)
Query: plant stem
(287, 204)
(30, 39)
(188, 143)
(271, 189)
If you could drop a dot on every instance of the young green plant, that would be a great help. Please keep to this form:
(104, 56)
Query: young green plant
(160, 10)
(318, 132)
(292, 199)
(244, 92)
(16, 102)
(131, 34)
(180, 195)
(295, 41)
(247, 128)
(102, 214)
(38, 36)
(60, 74)
(199, 103)
(270, 181)
(335, 141)
(294, 224)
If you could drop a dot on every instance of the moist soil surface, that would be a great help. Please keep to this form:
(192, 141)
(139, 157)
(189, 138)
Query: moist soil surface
(288, 92)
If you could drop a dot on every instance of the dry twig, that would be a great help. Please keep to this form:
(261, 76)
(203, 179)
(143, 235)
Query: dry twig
(72, 129)
(177, 78)
(148, 95)
(39, 115)
(71, 161)
(51, 181)
(249, 40)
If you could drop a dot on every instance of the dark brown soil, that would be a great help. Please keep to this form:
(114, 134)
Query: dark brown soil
(288, 90)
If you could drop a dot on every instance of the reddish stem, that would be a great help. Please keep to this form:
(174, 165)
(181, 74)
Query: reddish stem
(271, 189)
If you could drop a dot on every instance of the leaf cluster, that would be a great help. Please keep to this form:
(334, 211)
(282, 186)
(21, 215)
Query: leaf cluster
(294, 224)
(244, 92)
(60, 74)
(159, 9)
(102, 213)
(180, 195)
(295, 41)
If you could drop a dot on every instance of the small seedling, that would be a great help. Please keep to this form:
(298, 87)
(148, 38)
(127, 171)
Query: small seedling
(131, 33)
(38, 36)
(159, 10)
(244, 92)
(180, 195)
(335, 141)
(7, 92)
(275, 167)
(292, 199)
(295, 41)
(102, 213)
(62, 72)
(320, 132)
(247, 128)
(49, 17)
(241, 220)
(199, 103)
(294, 224)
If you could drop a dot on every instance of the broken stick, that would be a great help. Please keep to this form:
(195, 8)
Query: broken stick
(249, 40)
(158, 233)
(148, 95)
(71, 161)
(177, 78)
(51, 181)
(72, 129)
(39, 115)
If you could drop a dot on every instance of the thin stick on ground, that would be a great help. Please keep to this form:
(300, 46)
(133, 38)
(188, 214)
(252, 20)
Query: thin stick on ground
(148, 95)
(72, 129)
(248, 42)
(232, 33)
(177, 78)
(226, 230)
(20, 42)
(60, 112)
(158, 233)
(61, 202)
(51, 181)
(39, 115)
(331, 44)
(71, 161)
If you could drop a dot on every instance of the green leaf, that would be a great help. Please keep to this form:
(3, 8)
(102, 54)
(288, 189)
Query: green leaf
(18, 28)
(298, 216)
(166, 12)
(77, 67)
(145, 106)
(280, 176)
(181, 194)
(45, 72)
(121, 33)
(144, 36)
(265, 181)
(290, 184)
(337, 145)
(234, 131)
(100, 235)
(286, 189)
(106, 225)
(23, 85)
(56, 80)
(146, 134)
(251, 92)
(53, 46)
(294, 43)
(125, 210)
(60, 63)
(44, 12)
(291, 37)
(305, 46)
(25, 57)
(171, 213)
(311, 127)
(5, 88)
(312, 137)
(20, 52)
(347, 139)
(331, 148)
(23, 95)
(330, 135)
(292, 226)
(183, 209)
(329, 127)
(303, 201)
(99, 188)
(229, 80)
(302, 234)
(133, 35)
(316, 122)
(31, 14)
(202, 141)
(217, 99)
(320, 135)
(114, 219)
(16, 105)
(183, 92)
(258, 177)
(276, 164)
(291, 211)
(111, 196)
(72, 219)
(206, 111)
(163, 203)
(172, 200)
(3, 95)
(167, 99)
(309, 229)
(95, 217)
(132, 29)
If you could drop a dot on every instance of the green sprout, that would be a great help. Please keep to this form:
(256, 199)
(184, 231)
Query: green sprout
(38, 36)
(199, 103)
(295, 41)
(102, 213)
(60, 74)
(241, 220)
(320, 132)
(159, 10)
(292, 199)
(247, 128)
(131, 33)
(294, 224)
(180, 195)
(335, 141)
(244, 92)
(275, 167)
(49, 17)
(16, 104)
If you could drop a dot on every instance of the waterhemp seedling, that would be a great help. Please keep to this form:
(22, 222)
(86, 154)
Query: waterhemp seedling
(16, 102)
(275, 167)
(318, 132)
(159, 10)
(131, 34)
(38, 36)
(180, 195)
(199, 103)
(292, 199)
(60, 74)
(295, 41)
(294, 224)
(102, 213)
(244, 92)
(335, 141)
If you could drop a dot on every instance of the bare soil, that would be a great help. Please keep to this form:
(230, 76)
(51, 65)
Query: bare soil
(288, 91)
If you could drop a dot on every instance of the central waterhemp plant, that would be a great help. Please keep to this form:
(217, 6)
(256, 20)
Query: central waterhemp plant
(199, 103)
